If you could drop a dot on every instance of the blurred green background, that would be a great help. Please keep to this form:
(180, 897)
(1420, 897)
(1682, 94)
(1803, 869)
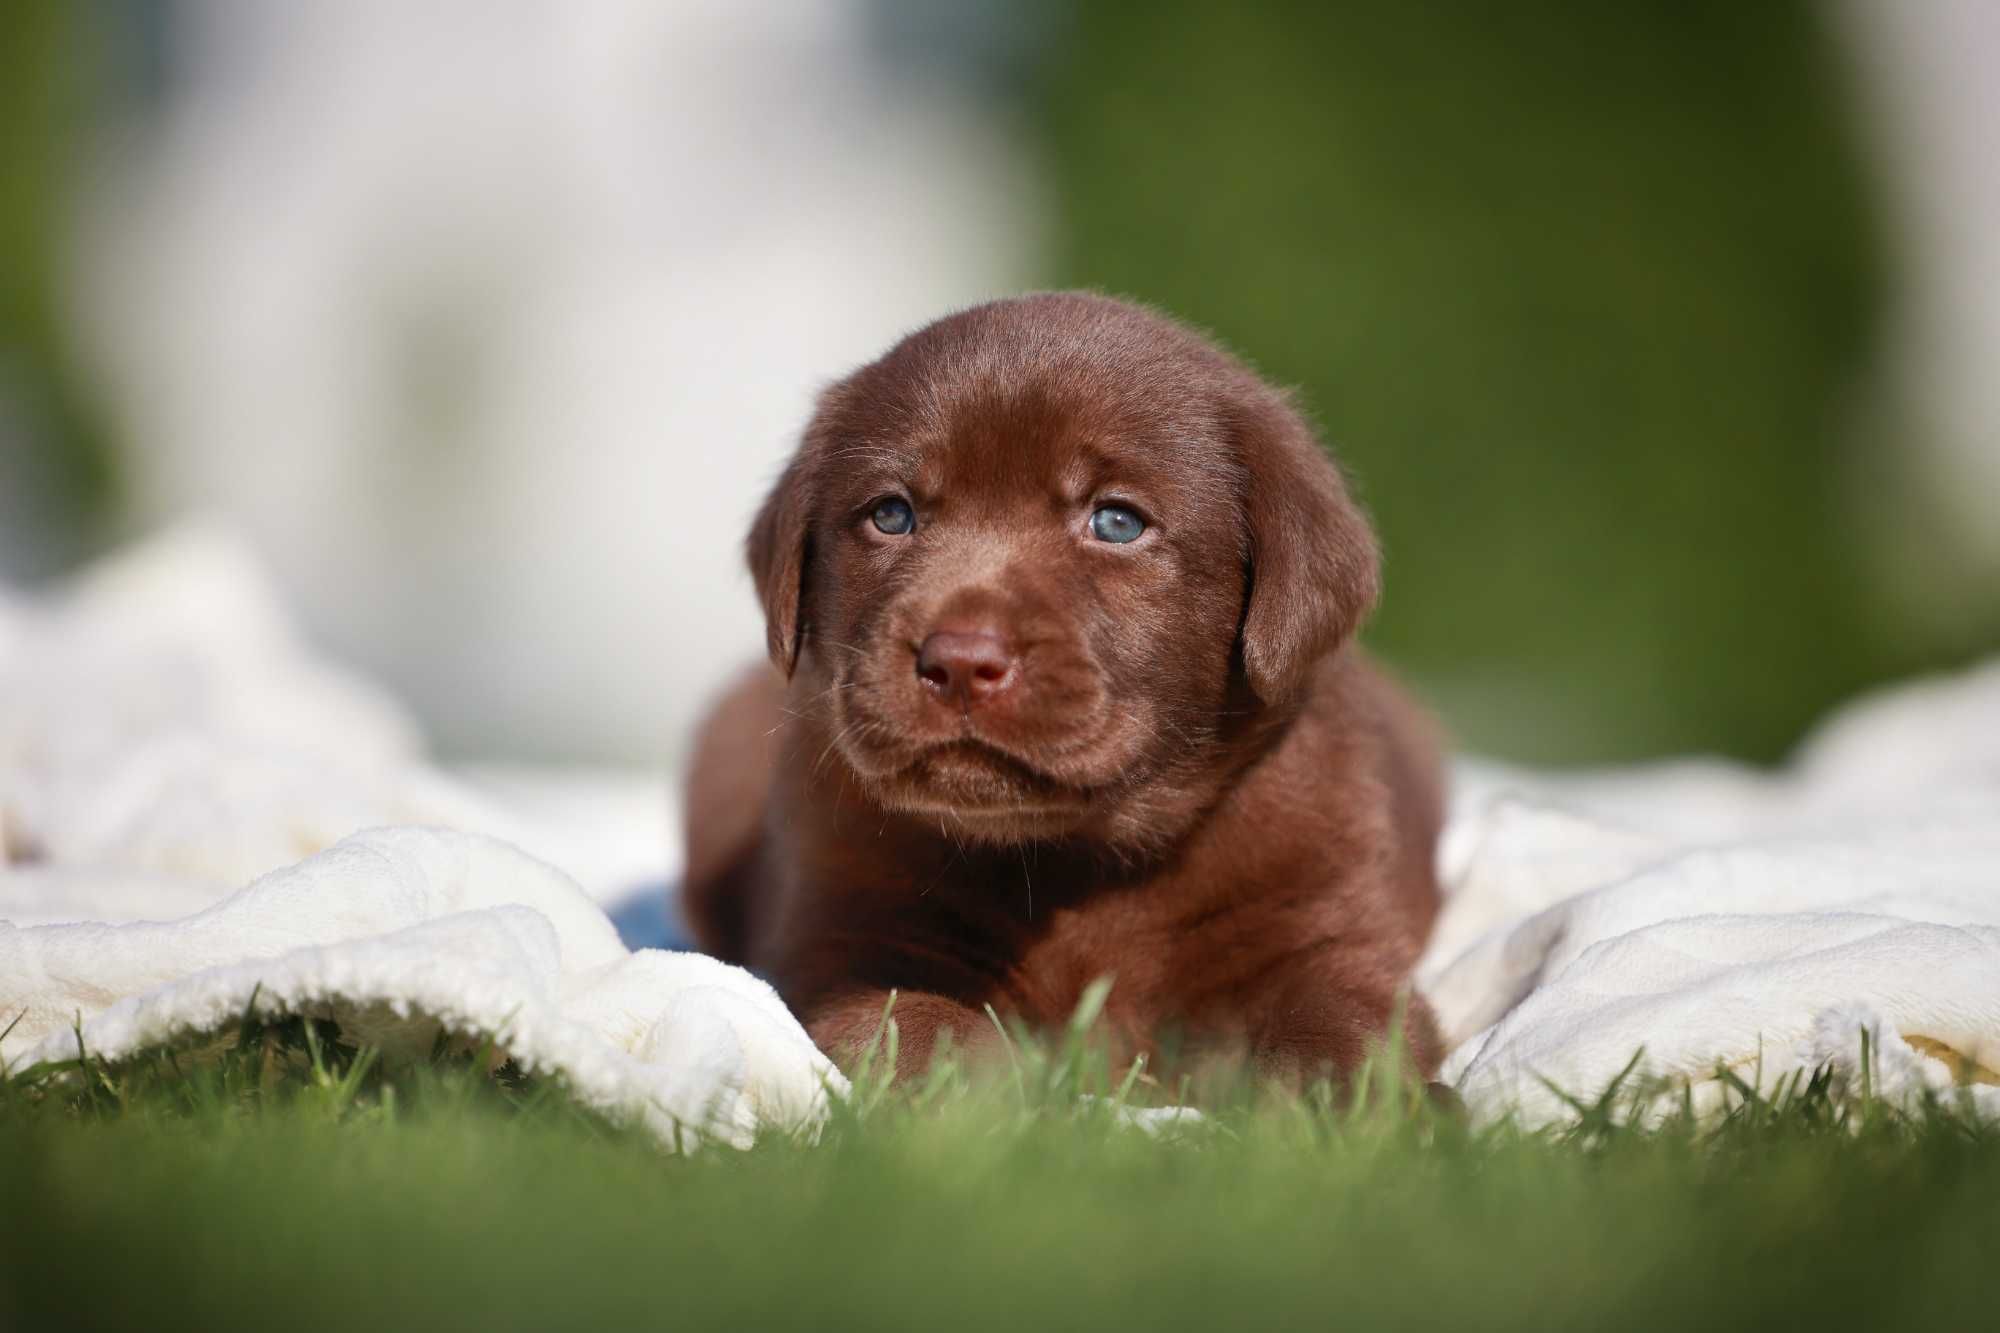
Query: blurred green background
(1590, 299)
(1582, 294)
(56, 473)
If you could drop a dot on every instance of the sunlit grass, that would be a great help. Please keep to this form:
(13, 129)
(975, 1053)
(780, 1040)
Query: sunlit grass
(281, 1179)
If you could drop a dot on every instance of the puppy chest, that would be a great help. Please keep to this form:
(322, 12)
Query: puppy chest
(1168, 966)
(1147, 967)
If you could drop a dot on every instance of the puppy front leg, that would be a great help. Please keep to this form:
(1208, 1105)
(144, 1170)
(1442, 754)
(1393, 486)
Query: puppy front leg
(1314, 1022)
(845, 1027)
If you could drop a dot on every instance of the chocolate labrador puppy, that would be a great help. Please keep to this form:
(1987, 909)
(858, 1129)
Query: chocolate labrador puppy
(1061, 600)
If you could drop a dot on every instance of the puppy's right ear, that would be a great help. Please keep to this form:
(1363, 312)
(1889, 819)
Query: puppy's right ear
(1313, 567)
(778, 553)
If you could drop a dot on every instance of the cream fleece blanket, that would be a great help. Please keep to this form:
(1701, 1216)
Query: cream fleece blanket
(165, 740)
(1707, 917)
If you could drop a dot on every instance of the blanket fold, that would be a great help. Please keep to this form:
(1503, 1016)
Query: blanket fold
(1710, 918)
(397, 934)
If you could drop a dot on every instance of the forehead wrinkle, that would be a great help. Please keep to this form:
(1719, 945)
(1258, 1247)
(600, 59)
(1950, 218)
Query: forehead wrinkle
(1091, 466)
(860, 454)
(1079, 474)
(1186, 466)
(860, 464)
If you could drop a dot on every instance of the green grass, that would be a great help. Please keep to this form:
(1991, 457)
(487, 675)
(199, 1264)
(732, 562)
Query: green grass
(293, 1183)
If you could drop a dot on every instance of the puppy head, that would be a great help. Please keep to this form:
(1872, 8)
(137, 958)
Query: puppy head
(1034, 568)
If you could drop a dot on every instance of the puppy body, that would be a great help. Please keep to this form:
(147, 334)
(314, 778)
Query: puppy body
(1002, 756)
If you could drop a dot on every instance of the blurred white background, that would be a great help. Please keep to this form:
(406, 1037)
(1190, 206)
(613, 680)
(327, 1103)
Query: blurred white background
(490, 323)
(1930, 83)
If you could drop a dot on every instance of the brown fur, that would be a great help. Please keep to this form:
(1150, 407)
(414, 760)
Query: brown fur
(1175, 769)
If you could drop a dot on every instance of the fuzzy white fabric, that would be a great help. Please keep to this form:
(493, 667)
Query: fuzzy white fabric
(398, 934)
(161, 715)
(164, 739)
(1708, 917)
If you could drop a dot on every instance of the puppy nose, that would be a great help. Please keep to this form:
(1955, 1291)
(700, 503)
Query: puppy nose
(966, 665)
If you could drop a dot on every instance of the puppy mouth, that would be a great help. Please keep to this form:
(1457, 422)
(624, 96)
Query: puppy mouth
(976, 781)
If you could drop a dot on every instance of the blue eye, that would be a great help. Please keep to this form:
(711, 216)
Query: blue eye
(1116, 524)
(893, 516)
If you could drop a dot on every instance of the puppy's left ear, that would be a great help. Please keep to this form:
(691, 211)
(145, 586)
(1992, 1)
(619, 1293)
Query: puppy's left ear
(1314, 574)
(777, 551)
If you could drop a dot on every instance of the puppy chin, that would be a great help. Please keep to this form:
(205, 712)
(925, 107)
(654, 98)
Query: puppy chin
(998, 826)
(982, 794)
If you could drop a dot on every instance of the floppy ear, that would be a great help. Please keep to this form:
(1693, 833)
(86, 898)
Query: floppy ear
(777, 551)
(1313, 570)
